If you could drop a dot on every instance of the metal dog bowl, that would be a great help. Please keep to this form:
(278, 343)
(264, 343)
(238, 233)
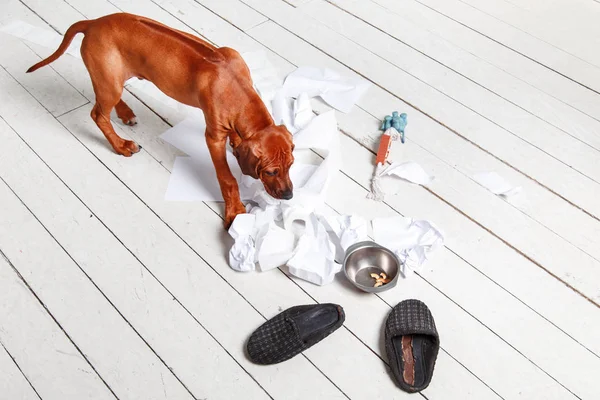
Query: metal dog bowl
(364, 258)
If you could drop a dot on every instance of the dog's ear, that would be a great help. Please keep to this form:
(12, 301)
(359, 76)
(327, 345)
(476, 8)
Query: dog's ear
(248, 156)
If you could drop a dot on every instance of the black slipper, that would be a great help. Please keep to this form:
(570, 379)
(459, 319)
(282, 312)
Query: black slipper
(293, 331)
(412, 344)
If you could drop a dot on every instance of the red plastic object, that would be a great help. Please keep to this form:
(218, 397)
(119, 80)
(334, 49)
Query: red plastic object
(384, 149)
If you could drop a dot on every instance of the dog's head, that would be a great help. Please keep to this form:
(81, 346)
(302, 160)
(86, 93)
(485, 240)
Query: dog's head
(267, 156)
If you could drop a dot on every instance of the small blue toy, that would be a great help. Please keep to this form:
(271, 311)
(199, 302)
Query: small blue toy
(386, 123)
(395, 121)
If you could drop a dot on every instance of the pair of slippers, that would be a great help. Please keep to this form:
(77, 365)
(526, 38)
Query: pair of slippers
(411, 338)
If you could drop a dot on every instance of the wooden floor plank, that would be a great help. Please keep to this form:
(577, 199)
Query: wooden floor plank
(90, 321)
(242, 17)
(473, 388)
(82, 112)
(61, 100)
(440, 288)
(547, 55)
(582, 45)
(52, 363)
(12, 381)
(488, 50)
(578, 16)
(508, 101)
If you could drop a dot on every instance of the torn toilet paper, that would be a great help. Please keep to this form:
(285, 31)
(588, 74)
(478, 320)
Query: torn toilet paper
(314, 255)
(241, 254)
(411, 240)
(275, 246)
(346, 230)
(496, 184)
(193, 178)
(339, 92)
(291, 232)
(409, 171)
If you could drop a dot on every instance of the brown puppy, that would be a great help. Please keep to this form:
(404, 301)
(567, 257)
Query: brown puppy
(217, 80)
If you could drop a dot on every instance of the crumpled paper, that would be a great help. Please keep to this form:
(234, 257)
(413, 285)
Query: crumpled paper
(314, 256)
(409, 171)
(339, 92)
(411, 240)
(274, 246)
(303, 112)
(346, 230)
(241, 254)
(496, 184)
(290, 232)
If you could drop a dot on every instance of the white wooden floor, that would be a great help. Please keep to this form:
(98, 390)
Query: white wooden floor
(107, 291)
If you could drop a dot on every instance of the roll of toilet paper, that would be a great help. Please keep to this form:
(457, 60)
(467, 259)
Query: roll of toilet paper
(297, 220)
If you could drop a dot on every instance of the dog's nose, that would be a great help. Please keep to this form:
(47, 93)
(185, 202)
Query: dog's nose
(287, 195)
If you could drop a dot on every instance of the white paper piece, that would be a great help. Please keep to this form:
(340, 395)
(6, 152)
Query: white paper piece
(303, 112)
(194, 178)
(347, 230)
(339, 92)
(264, 217)
(409, 171)
(411, 240)
(282, 111)
(290, 231)
(314, 256)
(297, 220)
(189, 183)
(274, 246)
(242, 253)
(496, 184)
(295, 115)
(43, 37)
(321, 134)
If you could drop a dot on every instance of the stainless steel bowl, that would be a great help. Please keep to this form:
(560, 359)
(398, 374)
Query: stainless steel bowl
(364, 258)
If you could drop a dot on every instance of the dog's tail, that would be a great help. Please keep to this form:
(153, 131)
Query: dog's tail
(77, 27)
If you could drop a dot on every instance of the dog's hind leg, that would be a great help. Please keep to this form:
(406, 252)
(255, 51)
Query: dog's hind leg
(108, 95)
(105, 102)
(125, 113)
(107, 74)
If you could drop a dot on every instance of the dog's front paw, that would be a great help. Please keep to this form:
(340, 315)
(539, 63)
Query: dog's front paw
(231, 213)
